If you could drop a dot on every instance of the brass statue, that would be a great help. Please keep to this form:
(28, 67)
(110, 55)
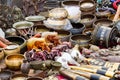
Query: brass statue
(17, 14)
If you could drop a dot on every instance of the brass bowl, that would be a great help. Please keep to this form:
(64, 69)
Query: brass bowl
(37, 20)
(103, 22)
(88, 31)
(78, 28)
(81, 40)
(18, 40)
(40, 29)
(64, 35)
(102, 13)
(88, 20)
(14, 61)
(19, 77)
(87, 5)
(12, 49)
(23, 27)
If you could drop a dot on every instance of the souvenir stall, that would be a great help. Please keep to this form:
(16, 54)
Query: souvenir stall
(59, 39)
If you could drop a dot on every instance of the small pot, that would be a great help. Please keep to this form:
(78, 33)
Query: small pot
(11, 32)
(77, 28)
(5, 75)
(88, 31)
(87, 5)
(90, 12)
(40, 29)
(19, 77)
(64, 35)
(34, 78)
(14, 61)
(88, 20)
(24, 27)
(37, 20)
(82, 40)
(12, 49)
(102, 13)
(20, 41)
(103, 22)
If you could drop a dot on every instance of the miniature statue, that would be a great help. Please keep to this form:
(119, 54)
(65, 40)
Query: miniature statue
(17, 14)
(32, 7)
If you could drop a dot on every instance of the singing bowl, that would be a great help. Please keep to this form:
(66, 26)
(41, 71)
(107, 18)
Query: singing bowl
(20, 41)
(23, 25)
(102, 13)
(81, 40)
(14, 61)
(40, 29)
(12, 49)
(63, 35)
(77, 28)
(19, 77)
(87, 5)
(88, 31)
(37, 20)
(103, 22)
(5, 75)
(88, 20)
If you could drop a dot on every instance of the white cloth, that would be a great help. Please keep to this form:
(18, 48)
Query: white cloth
(2, 34)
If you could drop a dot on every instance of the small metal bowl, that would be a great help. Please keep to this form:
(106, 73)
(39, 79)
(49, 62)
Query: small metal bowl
(103, 22)
(19, 77)
(14, 61)
(77, 28)
(88, 20)
(5, 75)
(24, 27)
(88, 31)
(12, 49)
(64, 35)
(37, 20)
(18, 40)
(40, 29)
(102, 13)
(87, 5)
(82, 40)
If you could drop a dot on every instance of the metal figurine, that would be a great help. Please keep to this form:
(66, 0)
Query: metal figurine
(32, 7)
(17, 14)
